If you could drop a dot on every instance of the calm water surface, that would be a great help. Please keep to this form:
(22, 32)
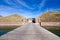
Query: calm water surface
(2, 32)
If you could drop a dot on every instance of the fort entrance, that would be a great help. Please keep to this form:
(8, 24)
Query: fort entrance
(33, 20)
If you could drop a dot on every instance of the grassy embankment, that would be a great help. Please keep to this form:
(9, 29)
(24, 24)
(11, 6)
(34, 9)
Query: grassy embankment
(14, 19)
(51, 17)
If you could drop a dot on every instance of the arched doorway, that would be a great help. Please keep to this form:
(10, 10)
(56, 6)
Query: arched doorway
(33, 20)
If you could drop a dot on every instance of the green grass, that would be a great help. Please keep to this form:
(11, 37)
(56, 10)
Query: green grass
(53, 29)
(9, 28)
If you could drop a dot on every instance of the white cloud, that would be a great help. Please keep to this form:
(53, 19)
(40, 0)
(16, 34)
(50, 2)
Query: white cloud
(5, 11)
(10, 9)
(19, 2)
(24, 4)
(11, 3)
(42, 4)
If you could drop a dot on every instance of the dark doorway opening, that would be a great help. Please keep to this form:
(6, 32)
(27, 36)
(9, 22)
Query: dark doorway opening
(33, 20)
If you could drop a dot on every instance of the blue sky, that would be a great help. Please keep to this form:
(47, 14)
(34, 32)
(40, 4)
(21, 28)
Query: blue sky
(28, 8)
